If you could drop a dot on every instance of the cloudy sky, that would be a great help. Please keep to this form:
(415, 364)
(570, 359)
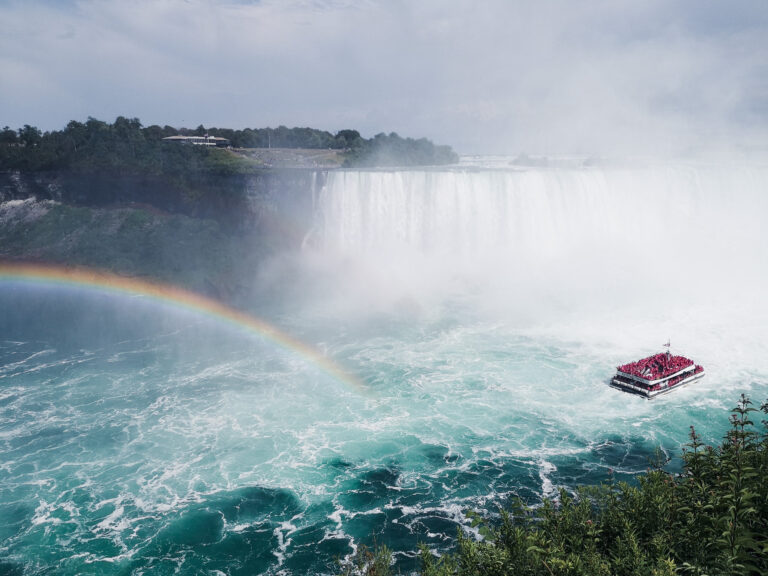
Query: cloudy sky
(504, 76)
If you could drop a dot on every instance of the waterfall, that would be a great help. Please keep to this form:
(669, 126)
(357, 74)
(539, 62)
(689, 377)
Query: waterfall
(590, 229)
(537, 211)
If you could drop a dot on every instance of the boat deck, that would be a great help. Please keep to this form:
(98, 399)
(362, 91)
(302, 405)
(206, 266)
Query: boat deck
(656, 375)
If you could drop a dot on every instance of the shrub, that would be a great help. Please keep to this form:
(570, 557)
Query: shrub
(710, 519)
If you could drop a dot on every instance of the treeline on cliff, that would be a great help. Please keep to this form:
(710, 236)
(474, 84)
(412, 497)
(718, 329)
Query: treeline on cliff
(392, 150)
(125, 146)
(710, 519)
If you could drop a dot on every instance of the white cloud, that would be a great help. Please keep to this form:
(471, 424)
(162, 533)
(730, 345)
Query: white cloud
(555, 76)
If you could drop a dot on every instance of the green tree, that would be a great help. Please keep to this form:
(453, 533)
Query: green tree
(8, 136)
(30, 136)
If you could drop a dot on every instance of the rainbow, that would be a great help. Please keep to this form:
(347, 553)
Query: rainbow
(178, 298)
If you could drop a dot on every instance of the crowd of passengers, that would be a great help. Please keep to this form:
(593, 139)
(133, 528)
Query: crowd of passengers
(655, 367)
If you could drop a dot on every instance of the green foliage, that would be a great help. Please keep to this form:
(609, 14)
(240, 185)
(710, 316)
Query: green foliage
(392, 150)
(123, 147)
(367, 562)
(9, 137)
(283, 137)
(710, 519)
(126, 147)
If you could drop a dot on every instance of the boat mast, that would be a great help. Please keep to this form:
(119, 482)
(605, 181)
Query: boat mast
(667, 346)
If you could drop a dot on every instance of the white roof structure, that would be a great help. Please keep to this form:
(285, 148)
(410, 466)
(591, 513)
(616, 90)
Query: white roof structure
(198, 140)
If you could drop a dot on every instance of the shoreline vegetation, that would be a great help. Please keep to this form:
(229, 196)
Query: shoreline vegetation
(127, 147)
(710, 519)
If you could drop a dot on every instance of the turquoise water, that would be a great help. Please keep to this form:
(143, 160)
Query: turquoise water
(136, 438)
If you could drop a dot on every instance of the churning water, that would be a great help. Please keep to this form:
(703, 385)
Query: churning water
(484, 311)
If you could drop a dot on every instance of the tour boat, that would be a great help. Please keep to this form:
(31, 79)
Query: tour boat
(657, 374)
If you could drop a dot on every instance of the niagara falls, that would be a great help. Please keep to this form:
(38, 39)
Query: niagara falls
(371, 288)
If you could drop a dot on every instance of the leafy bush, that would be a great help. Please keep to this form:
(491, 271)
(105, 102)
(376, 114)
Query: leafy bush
(710, 519)
(369, 562)
(392, 150)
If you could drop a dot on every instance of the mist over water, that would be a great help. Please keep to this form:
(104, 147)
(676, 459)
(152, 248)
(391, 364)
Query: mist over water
(548, 247)
(485, 310)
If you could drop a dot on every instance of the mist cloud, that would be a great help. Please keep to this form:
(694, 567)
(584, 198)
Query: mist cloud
(596, 77)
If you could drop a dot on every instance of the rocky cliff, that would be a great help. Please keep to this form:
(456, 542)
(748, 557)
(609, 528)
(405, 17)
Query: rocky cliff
(210, 236)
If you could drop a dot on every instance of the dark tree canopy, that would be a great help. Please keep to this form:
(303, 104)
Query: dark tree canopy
(127, 146)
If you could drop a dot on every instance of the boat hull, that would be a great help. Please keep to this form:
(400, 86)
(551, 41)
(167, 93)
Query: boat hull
(628, 386)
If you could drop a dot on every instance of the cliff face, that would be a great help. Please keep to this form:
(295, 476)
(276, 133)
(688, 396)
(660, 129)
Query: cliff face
(20, 186)
(211, 236)
(235, 200)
